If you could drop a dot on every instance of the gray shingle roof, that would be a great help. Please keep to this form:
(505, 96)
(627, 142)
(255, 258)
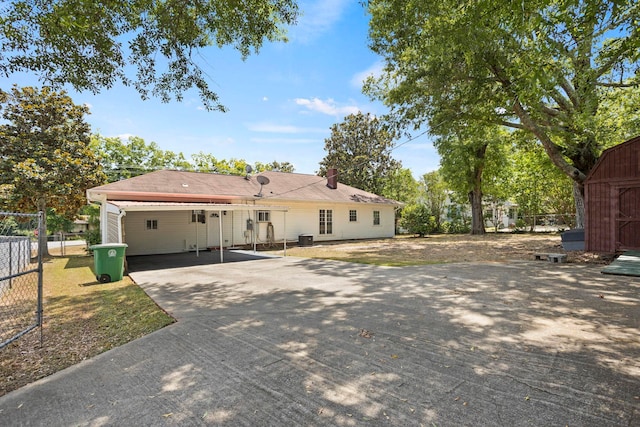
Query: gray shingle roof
(170, 184)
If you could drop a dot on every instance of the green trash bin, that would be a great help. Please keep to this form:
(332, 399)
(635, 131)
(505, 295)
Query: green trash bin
(108, 259)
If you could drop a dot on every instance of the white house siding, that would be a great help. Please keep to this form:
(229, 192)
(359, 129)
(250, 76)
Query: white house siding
(112, 228)
(175, 233)
(234, 226)
(303, 218)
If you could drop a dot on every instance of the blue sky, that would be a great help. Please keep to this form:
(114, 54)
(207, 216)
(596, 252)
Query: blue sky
(282, 101)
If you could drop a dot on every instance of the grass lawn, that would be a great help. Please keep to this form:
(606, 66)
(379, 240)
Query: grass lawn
(82, 318)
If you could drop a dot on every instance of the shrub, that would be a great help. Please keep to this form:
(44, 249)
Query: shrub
(416, 220)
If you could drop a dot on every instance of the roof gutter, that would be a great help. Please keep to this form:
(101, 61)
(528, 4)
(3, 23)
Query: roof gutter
(148, 196)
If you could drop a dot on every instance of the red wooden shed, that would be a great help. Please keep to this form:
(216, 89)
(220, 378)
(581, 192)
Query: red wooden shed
(612, 200)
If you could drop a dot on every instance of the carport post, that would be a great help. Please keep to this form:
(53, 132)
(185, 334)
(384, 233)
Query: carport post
(253, 232)
(220, 234)
(285, 233)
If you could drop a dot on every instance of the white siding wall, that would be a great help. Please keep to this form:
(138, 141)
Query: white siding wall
(112, 228)
(176, 233)
(303, 218)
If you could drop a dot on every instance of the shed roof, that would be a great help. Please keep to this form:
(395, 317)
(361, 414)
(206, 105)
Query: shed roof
(181, 186)
(618, 162)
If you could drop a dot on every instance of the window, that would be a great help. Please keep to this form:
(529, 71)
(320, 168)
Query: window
(264, 216)
(197, 216)
(376, 217)
(353, 215)
(326, 221)
(152, 224)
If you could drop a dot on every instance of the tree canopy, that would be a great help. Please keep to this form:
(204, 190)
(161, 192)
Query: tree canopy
(151, 45)
(45, 155)
(541, 66)
(359, 147)
(125, 159)
(122, 159)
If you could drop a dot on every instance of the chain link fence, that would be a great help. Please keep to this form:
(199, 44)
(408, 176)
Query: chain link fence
(20, 275)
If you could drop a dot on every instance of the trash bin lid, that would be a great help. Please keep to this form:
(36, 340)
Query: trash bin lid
(108, 245)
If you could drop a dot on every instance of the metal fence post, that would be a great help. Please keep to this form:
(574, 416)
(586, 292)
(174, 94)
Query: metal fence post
(41, 232)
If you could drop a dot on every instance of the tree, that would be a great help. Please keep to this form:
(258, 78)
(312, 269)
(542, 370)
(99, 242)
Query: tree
(543, 67)
(274, 166)
(45, 155)
(125, 159)
(462, 164)
(434, 196)
(400, 186)
(359, 148)
(537, 186)
(92, 45)
(204, 162)
(473, 165)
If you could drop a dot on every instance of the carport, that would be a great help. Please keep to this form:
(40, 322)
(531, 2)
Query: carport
(139, 263)
(216, 209)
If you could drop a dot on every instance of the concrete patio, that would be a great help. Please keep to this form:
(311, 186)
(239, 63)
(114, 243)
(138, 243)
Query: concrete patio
(291, 341)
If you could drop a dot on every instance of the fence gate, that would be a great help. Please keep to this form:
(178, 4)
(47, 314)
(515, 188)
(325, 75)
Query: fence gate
(20, 275)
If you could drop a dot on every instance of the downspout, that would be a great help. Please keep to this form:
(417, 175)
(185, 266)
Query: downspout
(102, 200)
(120, 216)
(255, 229)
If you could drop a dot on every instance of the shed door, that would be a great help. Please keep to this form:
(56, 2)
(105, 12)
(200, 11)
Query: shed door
(628, 218)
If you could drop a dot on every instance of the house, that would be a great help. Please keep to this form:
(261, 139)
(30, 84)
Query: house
(80, 225)
(612, 200)
(170, 211)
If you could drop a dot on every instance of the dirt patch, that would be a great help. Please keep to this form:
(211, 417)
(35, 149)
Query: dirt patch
(406, 250)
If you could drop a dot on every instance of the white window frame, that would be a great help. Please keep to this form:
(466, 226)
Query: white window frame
(264, 216)
(325, 222)
(353, 215)
(376, 217)
(151, 224)
(198, 216)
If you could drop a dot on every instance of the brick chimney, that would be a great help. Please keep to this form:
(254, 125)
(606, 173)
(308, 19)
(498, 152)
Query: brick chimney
(332, 178)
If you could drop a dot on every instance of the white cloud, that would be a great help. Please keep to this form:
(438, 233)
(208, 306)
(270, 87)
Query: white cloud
(264, 98)
(374, 70)
(279, 141)
(277, 128)
(328, 107)
(317, 18)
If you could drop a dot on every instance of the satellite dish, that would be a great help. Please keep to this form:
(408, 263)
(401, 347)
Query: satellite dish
(262, 180)
(249, 169)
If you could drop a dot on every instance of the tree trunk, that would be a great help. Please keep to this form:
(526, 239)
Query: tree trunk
(42, 236)
(475, 195)
(578, 197)
(477, 219)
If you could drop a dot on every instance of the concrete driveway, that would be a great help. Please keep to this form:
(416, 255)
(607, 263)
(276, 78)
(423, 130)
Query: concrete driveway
(292, 341)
